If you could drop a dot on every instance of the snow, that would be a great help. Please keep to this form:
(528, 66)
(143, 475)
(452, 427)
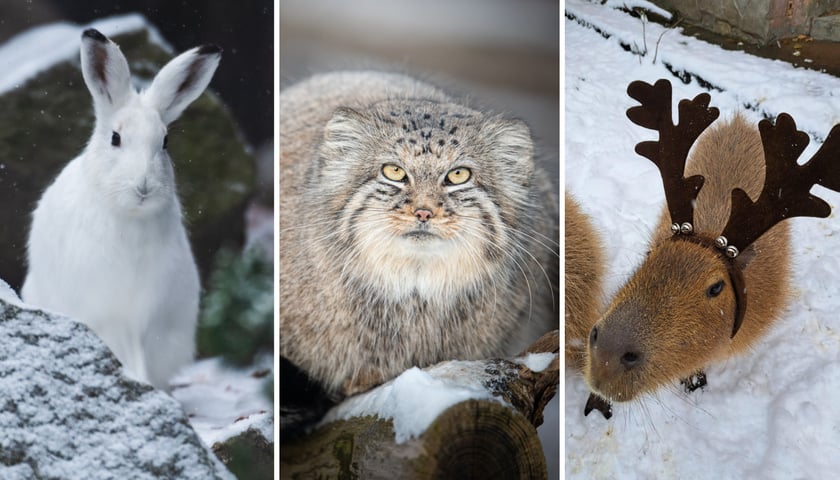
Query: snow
(536, 362)
(417, 397)
(68, 412)
(639, 5)
(771, 413)
(8, 295)
(223, 401)
(220, 401)
(37, 49)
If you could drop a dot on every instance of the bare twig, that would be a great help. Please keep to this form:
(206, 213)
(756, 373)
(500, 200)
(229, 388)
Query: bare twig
(668, 29)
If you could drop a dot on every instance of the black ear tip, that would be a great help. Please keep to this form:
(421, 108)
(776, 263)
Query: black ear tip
(209, 49)
(95, 35)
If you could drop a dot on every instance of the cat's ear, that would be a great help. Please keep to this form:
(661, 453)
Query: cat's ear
(345, 130)
(511, 144)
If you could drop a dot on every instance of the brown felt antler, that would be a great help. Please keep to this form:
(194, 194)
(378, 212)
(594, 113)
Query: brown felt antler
(786, 184)
(670, 152)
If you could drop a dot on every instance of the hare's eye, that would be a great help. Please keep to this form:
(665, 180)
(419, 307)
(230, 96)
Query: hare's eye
(115, 139)
(165, 141)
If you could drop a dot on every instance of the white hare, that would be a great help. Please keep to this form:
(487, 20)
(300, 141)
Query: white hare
(107, 244)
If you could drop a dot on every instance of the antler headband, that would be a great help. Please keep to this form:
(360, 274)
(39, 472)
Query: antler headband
(786, 184)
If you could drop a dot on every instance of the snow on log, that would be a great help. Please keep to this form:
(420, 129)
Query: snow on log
(455, 419)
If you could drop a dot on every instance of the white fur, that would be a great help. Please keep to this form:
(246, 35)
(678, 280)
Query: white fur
(107, 244)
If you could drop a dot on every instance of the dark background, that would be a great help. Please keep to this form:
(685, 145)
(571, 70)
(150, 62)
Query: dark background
(244, 29)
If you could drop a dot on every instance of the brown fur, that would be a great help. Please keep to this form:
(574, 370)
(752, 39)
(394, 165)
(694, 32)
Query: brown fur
(584, 277)
(663, 313)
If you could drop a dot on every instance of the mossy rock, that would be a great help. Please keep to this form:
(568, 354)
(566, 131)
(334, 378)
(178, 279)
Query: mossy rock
(248, 455)
(47, 122)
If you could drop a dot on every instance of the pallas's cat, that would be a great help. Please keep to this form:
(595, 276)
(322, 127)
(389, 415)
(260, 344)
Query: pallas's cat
(413, 229)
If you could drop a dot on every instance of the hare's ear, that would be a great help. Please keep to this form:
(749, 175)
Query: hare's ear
(182, 80)
(105, 71)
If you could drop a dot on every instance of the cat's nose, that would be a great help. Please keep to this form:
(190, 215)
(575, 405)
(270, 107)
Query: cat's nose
(423, 214)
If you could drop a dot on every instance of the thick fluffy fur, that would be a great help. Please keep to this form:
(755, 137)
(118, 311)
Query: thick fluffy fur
(367, 289)
(107, 245)
(584, 278)
(663, 312)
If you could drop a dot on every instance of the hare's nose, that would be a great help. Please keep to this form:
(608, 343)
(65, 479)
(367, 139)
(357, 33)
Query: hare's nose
(143, 188)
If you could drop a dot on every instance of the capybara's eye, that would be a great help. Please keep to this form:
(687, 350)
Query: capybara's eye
(715, 289)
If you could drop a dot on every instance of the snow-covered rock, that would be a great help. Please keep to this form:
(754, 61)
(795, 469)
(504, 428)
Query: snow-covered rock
(67, 411)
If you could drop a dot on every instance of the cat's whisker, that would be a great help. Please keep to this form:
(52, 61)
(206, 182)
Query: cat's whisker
(516, 262)
(517, 244)
(551, 245)
(307, 225)
(474, 257)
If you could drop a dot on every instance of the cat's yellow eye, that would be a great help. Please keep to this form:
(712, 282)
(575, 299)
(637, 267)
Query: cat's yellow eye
(457, 176)
(393, 172)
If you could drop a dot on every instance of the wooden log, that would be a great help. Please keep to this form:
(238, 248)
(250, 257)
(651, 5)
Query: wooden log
(476, 438)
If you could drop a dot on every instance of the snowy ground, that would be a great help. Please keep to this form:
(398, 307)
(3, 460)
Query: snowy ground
(774, 412)
(222, 401)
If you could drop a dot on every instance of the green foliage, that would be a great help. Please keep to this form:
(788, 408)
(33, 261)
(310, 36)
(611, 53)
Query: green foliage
(238, 309)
